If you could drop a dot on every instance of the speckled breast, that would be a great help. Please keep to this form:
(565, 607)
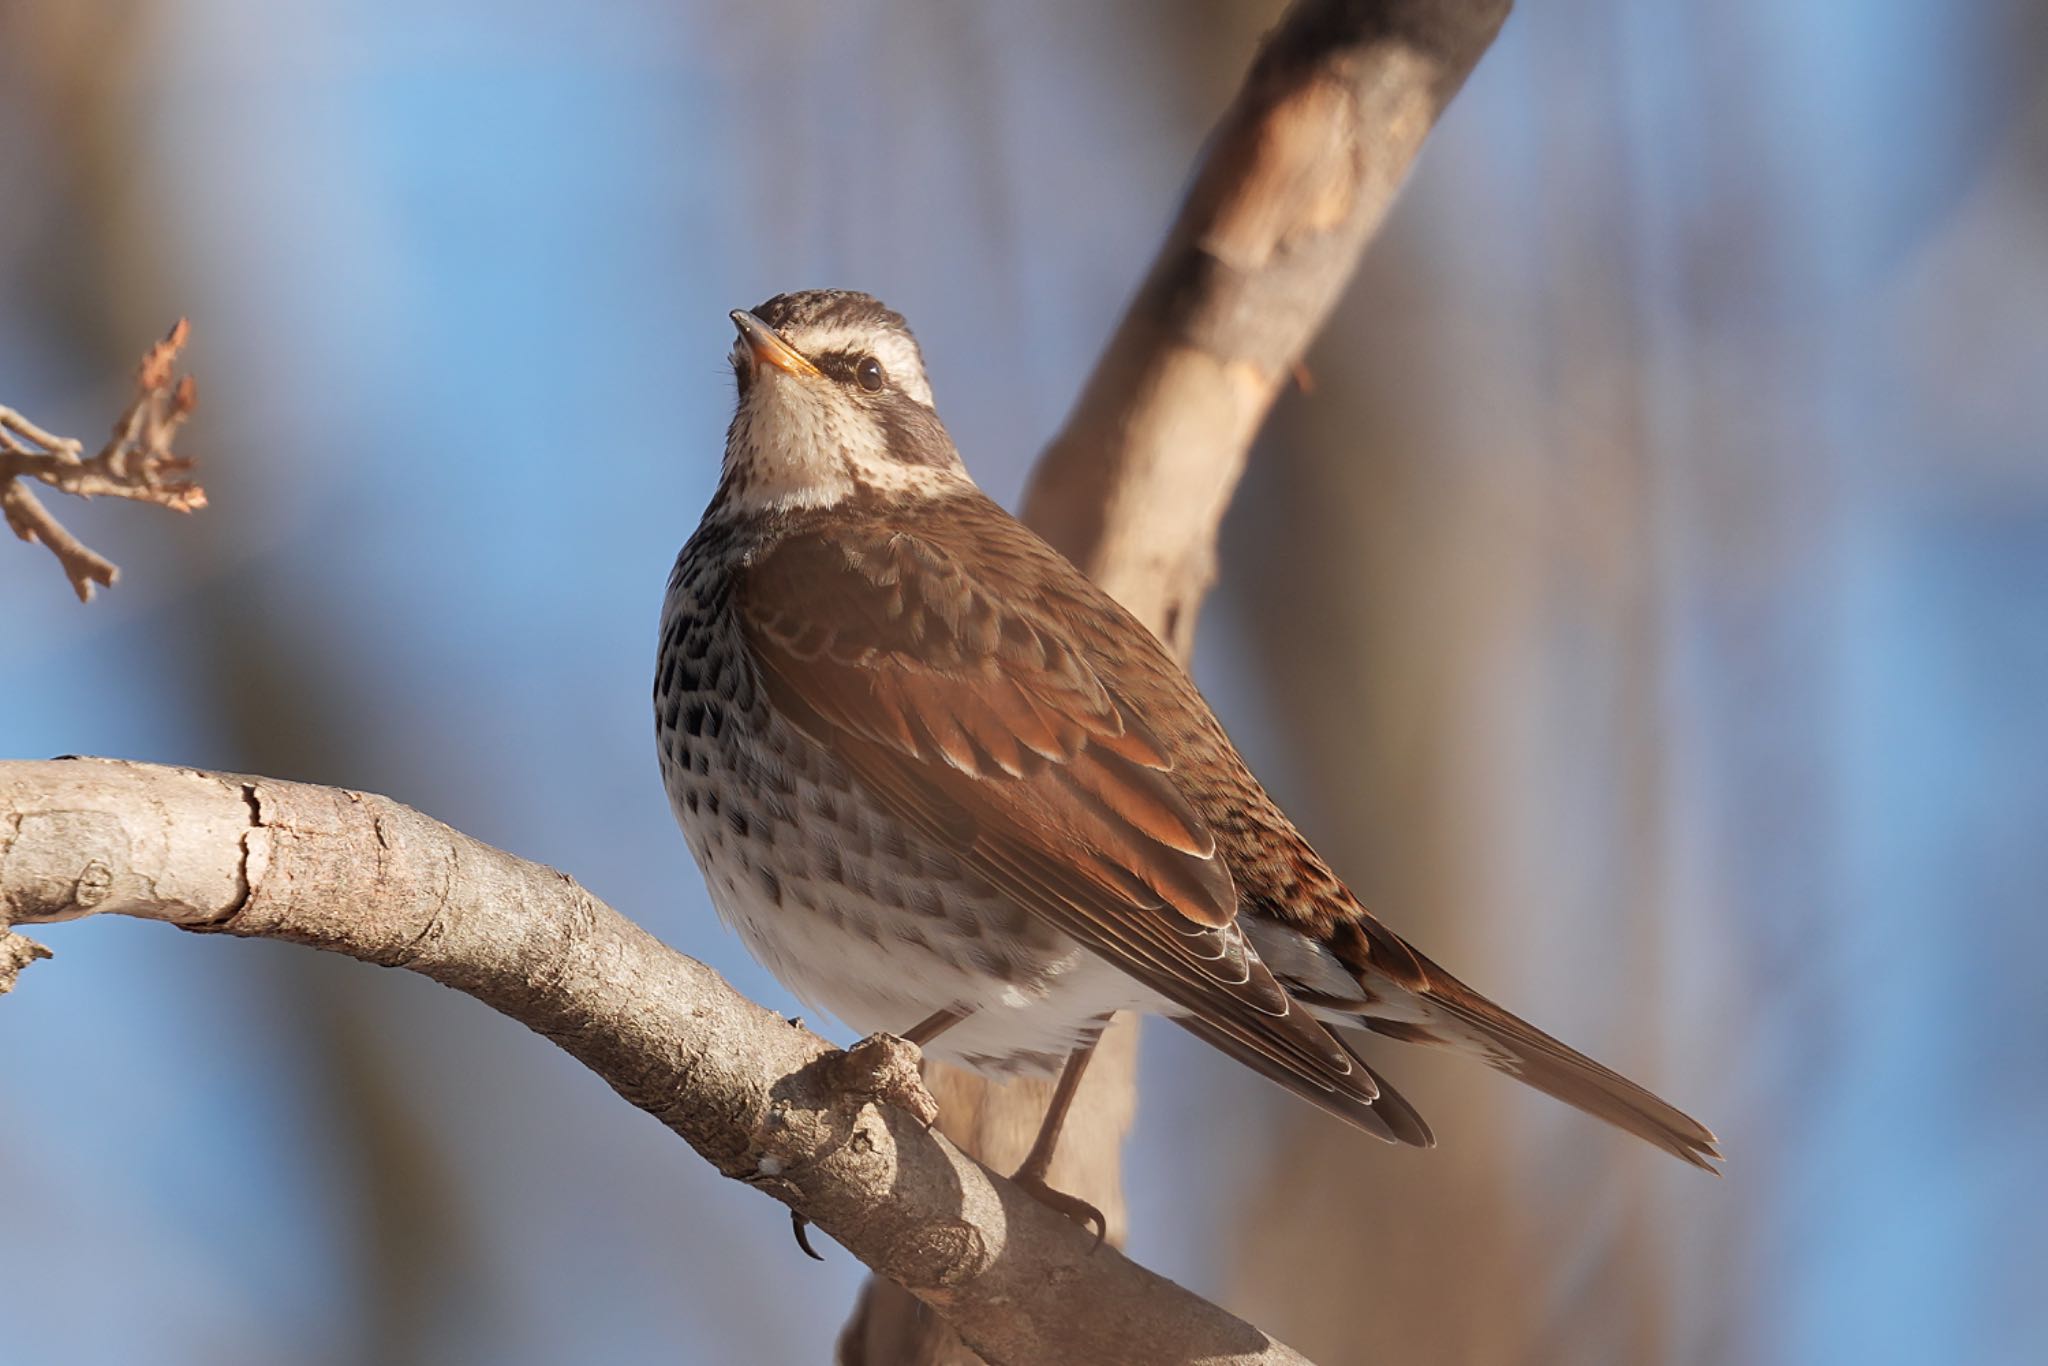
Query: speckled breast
(853, 912)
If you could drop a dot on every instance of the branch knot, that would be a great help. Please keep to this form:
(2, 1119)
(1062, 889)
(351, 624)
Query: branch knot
(17, 952)
(885, 1068)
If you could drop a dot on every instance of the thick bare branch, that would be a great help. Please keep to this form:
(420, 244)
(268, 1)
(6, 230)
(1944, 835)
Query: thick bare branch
(1302, 169)
(762, 1099)
(1300, 172)
(137, 462)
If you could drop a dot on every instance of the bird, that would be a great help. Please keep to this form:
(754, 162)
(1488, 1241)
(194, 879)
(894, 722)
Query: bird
(946, 788)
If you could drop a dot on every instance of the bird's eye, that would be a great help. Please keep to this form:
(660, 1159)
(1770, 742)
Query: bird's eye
(869, 373)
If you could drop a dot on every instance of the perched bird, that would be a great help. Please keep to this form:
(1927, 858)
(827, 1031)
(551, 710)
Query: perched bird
(946, 788)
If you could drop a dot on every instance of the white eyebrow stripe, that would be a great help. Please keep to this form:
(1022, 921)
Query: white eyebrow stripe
(898, 353)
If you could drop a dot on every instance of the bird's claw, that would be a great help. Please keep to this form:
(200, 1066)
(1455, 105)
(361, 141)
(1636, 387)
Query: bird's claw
(1073, 1206)
(800, 1226)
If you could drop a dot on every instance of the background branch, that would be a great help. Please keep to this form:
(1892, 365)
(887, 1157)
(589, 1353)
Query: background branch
(764, 1100)
(137, 462)
(1302, 168)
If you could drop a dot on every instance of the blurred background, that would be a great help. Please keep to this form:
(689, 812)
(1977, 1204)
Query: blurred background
(1647, 610)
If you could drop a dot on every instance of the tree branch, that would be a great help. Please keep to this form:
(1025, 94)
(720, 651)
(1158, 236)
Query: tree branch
(137, 462)
(762, 1099)
(1298, 175)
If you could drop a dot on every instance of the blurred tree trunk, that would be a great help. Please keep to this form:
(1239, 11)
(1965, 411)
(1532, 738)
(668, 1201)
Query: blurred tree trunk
(1456, 534)
(1391, 623)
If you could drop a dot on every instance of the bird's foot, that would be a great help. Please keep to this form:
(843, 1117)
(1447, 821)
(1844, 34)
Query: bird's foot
(888, 1069)
(1073, 1206)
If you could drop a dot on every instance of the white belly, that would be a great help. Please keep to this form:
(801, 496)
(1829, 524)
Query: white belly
(870, 969)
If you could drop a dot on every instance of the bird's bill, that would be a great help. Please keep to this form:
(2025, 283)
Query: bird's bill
(768, 348)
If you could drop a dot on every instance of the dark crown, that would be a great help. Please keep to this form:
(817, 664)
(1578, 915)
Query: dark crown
(808, 309)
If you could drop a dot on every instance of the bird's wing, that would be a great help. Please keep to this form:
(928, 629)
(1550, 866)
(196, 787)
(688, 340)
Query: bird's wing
(981, 722)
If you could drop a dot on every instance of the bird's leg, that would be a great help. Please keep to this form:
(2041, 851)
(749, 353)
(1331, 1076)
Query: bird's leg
(1031, 1175)
(934, 1024)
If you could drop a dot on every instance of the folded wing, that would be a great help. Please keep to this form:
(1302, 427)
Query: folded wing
(981, 723)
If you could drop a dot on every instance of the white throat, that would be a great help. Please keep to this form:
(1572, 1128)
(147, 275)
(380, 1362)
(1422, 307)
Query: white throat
(795, 444)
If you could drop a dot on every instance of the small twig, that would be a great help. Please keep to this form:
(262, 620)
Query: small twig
(137, 462)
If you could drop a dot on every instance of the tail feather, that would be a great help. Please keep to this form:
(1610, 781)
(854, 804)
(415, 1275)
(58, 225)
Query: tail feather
(1409, 997)
(1526, 1053)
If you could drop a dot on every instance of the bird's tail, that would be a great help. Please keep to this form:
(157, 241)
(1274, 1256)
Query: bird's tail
(1431, 1006)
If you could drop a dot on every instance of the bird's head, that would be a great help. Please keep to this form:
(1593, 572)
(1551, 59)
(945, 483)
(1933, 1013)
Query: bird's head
(833, 406)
